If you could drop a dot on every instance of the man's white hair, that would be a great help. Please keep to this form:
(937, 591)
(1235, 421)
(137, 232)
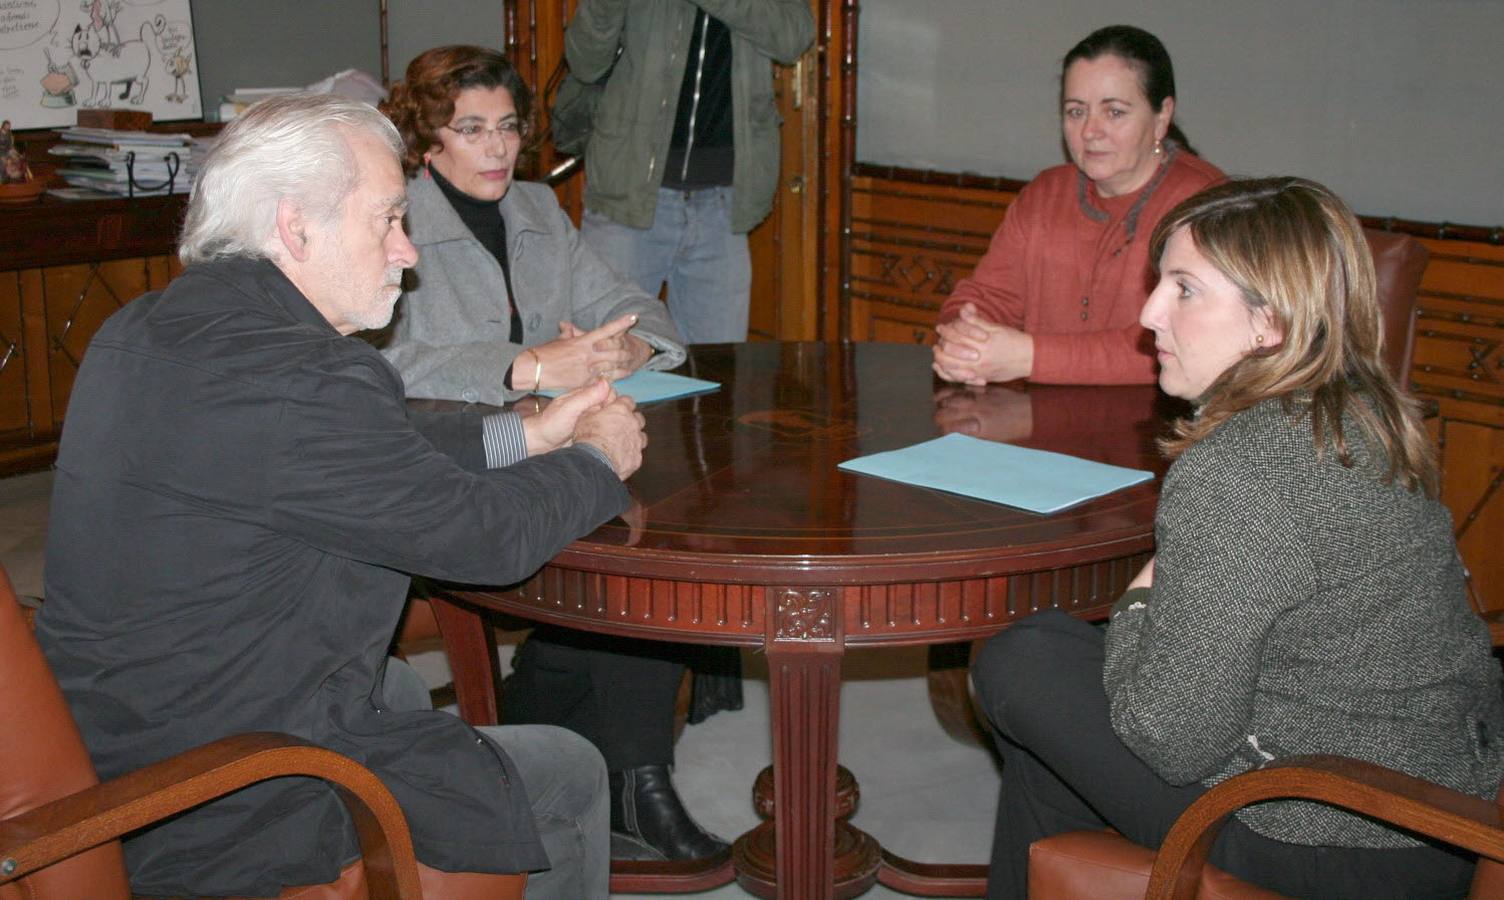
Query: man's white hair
(292, 147)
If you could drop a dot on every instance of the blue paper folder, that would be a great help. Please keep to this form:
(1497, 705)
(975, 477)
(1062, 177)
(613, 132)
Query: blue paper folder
(1036, 480)
(649, 387)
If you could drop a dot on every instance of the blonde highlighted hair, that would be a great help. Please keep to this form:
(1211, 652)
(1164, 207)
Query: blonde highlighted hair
(1295, 251)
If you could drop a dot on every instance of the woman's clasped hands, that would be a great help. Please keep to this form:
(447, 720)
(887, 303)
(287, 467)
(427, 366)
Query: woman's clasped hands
(975, 350)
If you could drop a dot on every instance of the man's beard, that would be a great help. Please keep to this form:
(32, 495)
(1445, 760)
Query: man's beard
(380, 313)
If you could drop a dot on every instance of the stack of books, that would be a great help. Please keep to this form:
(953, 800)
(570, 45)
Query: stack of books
(106, 159)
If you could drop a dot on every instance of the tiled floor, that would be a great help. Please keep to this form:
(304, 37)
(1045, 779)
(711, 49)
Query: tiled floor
(923, 794)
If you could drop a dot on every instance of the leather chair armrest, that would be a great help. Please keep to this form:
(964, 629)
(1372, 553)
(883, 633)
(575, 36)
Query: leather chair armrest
(1087, 864)
(88, 818)
(1384, 794)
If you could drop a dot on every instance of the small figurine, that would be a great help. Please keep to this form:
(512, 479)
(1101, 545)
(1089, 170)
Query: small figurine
(13, 168)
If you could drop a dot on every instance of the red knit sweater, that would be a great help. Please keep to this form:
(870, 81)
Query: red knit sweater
(1071, 281)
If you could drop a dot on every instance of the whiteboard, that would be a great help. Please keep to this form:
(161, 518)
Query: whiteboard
(1391, 103)
(60, 56)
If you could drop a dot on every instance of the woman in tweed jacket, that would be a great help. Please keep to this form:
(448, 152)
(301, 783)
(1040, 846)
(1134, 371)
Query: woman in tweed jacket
(1306, 595)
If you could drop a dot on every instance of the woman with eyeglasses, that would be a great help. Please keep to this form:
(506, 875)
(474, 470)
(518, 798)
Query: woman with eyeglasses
(506, 299)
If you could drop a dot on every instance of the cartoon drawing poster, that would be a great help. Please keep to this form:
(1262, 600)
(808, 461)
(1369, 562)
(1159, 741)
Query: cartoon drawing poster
(60, 56)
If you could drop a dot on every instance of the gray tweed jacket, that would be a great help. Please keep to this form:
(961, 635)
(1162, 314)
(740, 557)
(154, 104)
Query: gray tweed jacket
(1300, 607)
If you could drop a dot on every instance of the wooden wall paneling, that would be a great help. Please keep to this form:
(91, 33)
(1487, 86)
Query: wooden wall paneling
(14, 411)
(535, 45)
(78, 299)
(802, 298)
(909, 245)
(1473, 489)
(37, 344)
(1459, 364)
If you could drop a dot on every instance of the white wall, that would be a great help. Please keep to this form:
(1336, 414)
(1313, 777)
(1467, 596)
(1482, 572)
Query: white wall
(1395, 104)
(287, 43)
(416, 25)
(281, 43)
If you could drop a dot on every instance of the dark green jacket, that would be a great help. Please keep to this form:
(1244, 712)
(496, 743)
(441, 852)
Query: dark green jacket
(635, 120)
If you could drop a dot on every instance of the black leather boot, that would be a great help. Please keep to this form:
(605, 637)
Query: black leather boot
(648, 821)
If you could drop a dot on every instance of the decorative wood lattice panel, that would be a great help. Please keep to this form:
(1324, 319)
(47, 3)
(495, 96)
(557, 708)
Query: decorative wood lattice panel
(910, 244)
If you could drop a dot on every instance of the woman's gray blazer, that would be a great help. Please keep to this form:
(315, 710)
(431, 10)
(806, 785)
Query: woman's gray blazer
(450, 337)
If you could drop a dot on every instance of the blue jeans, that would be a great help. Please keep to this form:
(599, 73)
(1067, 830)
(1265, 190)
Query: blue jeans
(566, 784)
(690, 246)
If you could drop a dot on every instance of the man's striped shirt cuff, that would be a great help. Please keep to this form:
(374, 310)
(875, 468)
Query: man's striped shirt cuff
(502, 435)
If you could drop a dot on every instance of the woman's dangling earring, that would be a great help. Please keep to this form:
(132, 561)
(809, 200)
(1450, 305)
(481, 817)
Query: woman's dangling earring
(1159, 146)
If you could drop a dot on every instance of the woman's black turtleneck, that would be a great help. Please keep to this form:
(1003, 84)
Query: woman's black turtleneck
(483, 218)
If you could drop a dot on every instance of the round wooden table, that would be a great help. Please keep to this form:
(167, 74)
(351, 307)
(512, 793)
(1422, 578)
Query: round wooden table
(743, 532)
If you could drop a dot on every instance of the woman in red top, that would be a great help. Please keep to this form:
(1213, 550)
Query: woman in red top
(1057, 297)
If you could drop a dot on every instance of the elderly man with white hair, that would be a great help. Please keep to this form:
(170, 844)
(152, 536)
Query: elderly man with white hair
(240, 494)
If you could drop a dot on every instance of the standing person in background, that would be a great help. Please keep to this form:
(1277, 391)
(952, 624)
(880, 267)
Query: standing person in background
(683, 155)
(1056, 299)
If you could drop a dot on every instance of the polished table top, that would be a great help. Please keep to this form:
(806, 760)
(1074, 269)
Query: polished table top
(749, 471)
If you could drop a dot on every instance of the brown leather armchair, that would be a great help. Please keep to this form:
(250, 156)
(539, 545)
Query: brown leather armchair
(60, 827)
(1103, 865)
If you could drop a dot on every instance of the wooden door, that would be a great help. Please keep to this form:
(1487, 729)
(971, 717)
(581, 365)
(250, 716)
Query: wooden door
(535, 45)
(785, 290)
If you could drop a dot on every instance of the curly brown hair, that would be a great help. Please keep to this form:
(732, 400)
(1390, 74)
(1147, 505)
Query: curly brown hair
(423, 101)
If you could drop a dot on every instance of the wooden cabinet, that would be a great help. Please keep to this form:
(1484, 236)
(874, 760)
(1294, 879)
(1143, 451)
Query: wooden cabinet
(1459, 364)
(64, 269)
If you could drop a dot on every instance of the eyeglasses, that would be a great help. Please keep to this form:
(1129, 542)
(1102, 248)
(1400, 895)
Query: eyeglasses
(474, 133)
